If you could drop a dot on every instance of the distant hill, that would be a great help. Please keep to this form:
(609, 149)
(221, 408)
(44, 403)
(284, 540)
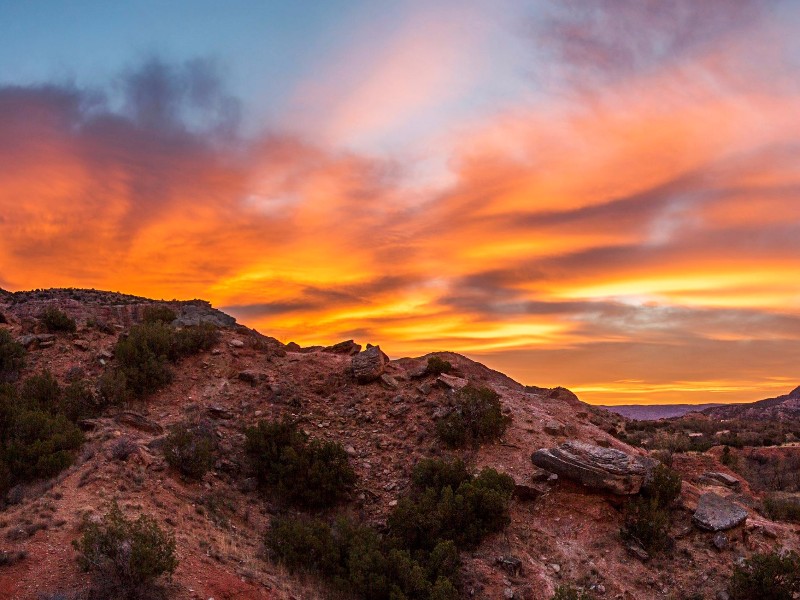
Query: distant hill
(653, 412)
(781, 407)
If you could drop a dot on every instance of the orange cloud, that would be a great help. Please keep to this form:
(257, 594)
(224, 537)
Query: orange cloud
(635, 239)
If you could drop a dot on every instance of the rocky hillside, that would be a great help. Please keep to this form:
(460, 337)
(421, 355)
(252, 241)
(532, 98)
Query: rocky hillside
(574, 483)
(783, 407)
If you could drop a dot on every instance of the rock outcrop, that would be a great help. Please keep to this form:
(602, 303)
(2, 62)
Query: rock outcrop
(369, 365)
(717, 513)
(346, 347)
(594, 467)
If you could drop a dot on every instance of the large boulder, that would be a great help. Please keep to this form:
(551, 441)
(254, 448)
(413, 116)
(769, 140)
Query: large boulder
(717, 513)
(369, 365)
(593, 466)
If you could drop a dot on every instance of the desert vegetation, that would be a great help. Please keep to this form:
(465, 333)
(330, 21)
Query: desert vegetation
(476, 417)
(144, 357)
(418, 557)
(54, 320)
(770, 576)
(126, 558)
(648, 516)
(299, 470)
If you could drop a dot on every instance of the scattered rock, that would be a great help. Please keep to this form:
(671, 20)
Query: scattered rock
(637, 551)
(389, 382)
(236, 343)
(252, 377)
(716, 513)
(717, 478)
(424, 388)
(508, 594)
(593, 466)
(418, 371)
(510, 564)
(42, 340)
(720, 541)
(452, 382)
(82, 345)
(528, 491)
(346, 347)
(219, 412)
(554, 428)
(369, 365)
(293, 347)
(140, 422)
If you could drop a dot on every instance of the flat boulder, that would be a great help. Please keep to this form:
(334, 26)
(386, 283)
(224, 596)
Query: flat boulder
(452, 382)
(719, 478)
(369, 365)
(717, 513)
(346, 347)
(594, 467)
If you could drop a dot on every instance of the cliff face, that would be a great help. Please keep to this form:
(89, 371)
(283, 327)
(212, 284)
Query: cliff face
(560, 531)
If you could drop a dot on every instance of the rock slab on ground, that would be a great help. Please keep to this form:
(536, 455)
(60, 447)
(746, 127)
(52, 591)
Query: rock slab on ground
(717, 513)
(594, 467)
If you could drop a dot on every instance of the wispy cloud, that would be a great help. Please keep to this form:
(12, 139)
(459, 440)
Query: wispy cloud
(632, 227)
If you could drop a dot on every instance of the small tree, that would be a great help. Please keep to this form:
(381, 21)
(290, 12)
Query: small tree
(189, 448)
(437, 366)
(159, 313)
(126, 558)
(312, 473)
(476, 418)
(12, 357)
(772, 576)
(56, 321)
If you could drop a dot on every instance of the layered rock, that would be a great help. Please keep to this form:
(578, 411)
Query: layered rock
(717, 513)
(369, 365)
(594, 467)
(346, 347)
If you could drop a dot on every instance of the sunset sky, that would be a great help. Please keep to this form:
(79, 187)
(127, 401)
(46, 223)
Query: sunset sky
(599, 194)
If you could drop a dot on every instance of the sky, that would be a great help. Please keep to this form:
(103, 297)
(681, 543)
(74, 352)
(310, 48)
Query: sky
(597, 194)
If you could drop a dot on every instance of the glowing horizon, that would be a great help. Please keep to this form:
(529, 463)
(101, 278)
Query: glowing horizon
(603, 196)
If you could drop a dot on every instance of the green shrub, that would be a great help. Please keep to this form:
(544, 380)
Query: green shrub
(41, 392)
(648, 517)
(12, 357)
(79, 402)
(437, 366)
(113, 388)
(766, 577)
(308, 473)
(664, 485)
(158, 313)
(728, 458)
(476, 418)
(781, 508)
(358, 560)
(189, 448)
(567, 592)
(40, 445)
(126, 558)
(438, 512)
(192, 340)
(55, 321)
(647, 523)
(142, 357)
